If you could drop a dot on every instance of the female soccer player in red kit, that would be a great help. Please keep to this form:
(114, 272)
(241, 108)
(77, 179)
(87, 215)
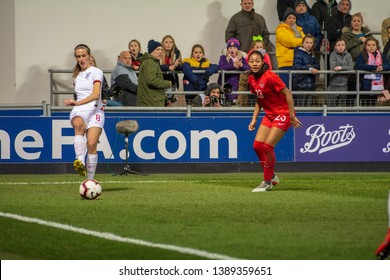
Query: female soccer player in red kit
(277, 102)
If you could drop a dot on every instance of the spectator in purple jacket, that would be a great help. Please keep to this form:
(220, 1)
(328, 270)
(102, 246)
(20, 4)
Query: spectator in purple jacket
(232, 60)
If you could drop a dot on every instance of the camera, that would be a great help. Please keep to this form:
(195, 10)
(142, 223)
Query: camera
(214, 100)
(227, 89)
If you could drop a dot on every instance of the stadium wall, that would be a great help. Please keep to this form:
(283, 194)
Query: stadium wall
(41, 34)
(213, 142)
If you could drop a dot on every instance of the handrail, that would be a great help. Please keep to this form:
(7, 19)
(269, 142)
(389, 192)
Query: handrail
(46, 108)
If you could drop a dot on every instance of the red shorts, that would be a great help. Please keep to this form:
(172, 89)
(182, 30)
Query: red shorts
(280, 121)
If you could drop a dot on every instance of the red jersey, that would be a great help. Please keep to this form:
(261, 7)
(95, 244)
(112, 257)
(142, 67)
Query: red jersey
(267, 89)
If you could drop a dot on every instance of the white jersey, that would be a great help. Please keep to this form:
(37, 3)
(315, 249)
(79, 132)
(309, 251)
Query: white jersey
(93, 112)
(83, 85)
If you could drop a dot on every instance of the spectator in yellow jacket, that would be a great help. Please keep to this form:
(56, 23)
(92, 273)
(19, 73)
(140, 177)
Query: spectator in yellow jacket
(288, 37)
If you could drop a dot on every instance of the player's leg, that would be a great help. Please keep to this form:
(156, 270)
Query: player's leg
(80, 145)
(383, 250)
(93, 135)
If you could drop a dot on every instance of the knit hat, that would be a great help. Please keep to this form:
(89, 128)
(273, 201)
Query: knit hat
(288, 12)
(152, 45)
(212, 86)
(233, 42)
(297, 2)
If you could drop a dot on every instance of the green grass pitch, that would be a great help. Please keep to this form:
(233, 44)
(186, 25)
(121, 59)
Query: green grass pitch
(308, 216)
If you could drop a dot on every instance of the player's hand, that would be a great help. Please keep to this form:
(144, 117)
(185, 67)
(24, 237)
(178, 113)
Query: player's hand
(69, 102)
(295, 122)
(252, 125)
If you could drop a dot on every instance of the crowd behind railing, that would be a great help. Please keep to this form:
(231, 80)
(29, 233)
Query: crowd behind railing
(318, 98)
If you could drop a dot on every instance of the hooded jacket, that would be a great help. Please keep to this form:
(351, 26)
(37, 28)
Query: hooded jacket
(303, 60)
(285, 44)
(151, 84)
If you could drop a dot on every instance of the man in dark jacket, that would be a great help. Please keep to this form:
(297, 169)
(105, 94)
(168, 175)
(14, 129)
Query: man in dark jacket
(323, 9)
(124, 77)
(283, 5)
(246, 24)
(335, 24)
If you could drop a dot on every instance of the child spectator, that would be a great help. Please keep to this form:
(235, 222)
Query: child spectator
(233, 59)
(340, 60)
(135, 51)
(170, 61)
(197, 81)
(304, 59)
(372, 60)
(257, 45)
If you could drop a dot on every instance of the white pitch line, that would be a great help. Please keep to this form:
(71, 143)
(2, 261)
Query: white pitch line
(114, 237)
(120, 182)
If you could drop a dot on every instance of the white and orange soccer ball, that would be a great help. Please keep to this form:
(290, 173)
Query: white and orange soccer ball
(90, 189)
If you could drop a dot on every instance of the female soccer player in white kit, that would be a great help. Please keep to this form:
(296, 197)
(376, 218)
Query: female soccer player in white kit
(87, 115)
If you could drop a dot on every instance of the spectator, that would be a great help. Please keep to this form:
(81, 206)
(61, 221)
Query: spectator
(245, 24)
(197, 81)
(136, 54)
(372, 60)
(232, 60)
(354, 38)
(356, 35)
(385, 27)
(386, 53)
(170, 61)
(386, 49)
(151, 84)
(288, 37)
(107, 97)
(124, 77)
(304, 59)
(308, 22)
(87, 115)
(323, 9)
(340, 60)
(210, 98)
(257, 45)
(340, 19)
(283, 5)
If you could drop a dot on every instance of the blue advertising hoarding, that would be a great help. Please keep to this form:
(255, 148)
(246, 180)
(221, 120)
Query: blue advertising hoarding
(159, 139)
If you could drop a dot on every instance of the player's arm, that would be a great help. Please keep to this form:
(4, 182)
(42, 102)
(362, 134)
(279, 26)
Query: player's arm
(290, 103)
(256, 112)
(95, 95)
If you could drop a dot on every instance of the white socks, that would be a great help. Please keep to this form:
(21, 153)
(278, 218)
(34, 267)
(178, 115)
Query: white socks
(92, 160)
(80, 147)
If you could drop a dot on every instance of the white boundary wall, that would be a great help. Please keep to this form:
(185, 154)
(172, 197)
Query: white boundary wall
(40, 34)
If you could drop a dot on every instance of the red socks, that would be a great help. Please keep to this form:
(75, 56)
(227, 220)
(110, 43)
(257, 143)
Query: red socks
(266, 155)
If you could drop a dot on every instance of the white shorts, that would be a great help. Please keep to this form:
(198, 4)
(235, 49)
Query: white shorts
(93, 118)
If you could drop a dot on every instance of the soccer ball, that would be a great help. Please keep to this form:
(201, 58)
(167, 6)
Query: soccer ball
(90, 189)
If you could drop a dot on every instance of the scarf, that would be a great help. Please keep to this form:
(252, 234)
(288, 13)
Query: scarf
(297, 34)
(376, 79)
(203, 63)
